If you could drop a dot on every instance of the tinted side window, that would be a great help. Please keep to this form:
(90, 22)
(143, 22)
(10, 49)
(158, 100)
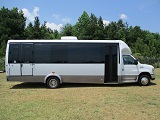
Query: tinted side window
(59, 54)
(76, 54)
(69, 53)
(14, 53)
(27, 53)
(42, 53)
(94, 54)
(128, 60)
(86, 53)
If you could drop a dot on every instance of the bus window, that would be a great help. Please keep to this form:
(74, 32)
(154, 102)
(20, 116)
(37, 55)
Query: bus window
(42, 53)
(59, 54)
(76, 54)
(94, 54)
(27, 53)
(14, 53)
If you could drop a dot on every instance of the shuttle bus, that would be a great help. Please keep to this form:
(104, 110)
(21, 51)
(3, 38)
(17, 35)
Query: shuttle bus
(54, 62)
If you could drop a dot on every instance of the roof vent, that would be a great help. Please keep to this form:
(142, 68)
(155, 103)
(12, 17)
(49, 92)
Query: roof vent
(69, 38)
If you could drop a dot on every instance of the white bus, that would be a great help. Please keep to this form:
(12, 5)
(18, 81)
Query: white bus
(54, 62)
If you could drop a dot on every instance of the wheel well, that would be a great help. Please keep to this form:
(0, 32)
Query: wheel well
(52, 76)
(145, 73)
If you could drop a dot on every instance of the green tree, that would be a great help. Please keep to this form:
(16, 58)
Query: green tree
(37, 29)
(116, 30)
(151, 42)
(29, 31)
(12, 26)
(91, 29)
(56, 34)
(46, 33)
(122, 29)
(111, 31)
(157, 44)
(134, 33)
(141, 48)
(81, 26)
(67, 30)
(100, 34)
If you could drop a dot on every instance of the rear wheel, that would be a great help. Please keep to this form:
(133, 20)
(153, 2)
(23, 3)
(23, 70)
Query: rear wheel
(144, 80)
(53, 82)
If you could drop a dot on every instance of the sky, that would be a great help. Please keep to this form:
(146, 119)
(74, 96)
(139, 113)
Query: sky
(57, 13)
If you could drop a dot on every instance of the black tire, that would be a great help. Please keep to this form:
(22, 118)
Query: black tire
(53, 82)
(144, 80)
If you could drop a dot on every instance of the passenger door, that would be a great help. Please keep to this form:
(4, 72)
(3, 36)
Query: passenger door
(129, 69)
(111, 64)
(27, 59)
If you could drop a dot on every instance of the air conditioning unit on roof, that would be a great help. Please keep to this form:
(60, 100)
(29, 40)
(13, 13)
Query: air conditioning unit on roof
(69, 38)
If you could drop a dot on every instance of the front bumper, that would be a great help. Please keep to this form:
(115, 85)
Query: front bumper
(153, 76)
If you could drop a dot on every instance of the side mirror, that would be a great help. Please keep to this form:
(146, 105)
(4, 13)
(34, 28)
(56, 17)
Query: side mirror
(136, 62)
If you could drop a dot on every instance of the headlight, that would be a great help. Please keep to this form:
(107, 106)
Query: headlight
(153, 70)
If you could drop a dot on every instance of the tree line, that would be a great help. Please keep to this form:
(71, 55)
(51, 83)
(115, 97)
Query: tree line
(88, 27)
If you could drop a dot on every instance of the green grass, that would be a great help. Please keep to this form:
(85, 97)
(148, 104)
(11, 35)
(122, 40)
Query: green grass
(31, 101)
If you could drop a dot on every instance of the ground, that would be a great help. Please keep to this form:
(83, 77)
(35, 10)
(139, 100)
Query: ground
(79, 101)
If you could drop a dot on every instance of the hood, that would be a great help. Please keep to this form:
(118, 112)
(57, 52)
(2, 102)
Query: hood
(146, 66)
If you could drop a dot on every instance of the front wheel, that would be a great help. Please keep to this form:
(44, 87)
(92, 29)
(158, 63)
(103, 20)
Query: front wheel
(53, 82)
(144, 80)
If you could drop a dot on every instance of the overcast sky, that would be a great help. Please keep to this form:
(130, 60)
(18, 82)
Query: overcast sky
(143, 13)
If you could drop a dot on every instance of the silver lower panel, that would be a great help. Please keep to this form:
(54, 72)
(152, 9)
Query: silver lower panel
(26, 78)
(65, 79)
(128, 78)
(83, 79)
(73, 79)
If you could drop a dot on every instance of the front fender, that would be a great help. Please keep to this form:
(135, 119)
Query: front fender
(143, 68)
(52, 75)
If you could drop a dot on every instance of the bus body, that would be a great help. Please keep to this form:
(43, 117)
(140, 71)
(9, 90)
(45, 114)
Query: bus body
(74, 61)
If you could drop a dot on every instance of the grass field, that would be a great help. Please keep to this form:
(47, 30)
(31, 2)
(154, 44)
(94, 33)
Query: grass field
(33, 101)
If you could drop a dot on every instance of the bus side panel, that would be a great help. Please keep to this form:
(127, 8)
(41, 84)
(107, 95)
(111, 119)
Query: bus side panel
(75, 73)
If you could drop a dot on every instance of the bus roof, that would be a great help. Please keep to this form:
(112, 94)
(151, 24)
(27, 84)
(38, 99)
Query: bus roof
(69, 41)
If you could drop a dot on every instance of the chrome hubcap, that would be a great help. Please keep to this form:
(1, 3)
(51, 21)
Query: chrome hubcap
(144, 80)
(53, 82)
